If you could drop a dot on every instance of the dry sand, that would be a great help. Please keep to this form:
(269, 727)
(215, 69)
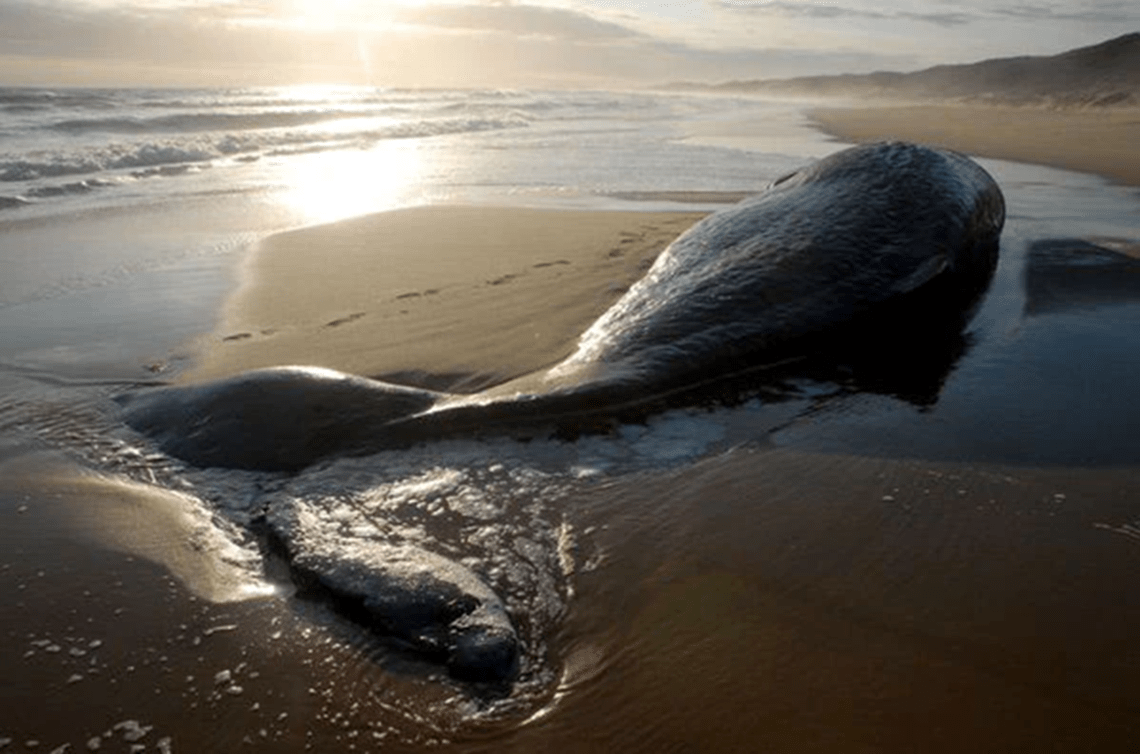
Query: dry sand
(1091, 141)
(448, 297)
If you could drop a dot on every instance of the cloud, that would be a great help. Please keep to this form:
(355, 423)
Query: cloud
(718, 65)
(249, 42)
(1124, 12)
(147, 45)
(524, 43)
(1100, 12)
(517, 20)
(837, 11)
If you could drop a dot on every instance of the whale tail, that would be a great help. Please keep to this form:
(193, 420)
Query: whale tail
(279, 419)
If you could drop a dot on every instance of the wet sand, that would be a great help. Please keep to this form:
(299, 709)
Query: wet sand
(1101, 141)
(758, 600)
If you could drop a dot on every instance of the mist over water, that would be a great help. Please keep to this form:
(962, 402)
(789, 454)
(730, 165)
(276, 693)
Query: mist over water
(828, 560)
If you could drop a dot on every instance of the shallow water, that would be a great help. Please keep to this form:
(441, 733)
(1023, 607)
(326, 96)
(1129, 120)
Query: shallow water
(850, 558)
(1048, 373)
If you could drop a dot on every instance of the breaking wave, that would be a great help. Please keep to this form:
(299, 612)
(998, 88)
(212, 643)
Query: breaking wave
(191, 122)
(10, 202)
(56, 144)
(201, 149)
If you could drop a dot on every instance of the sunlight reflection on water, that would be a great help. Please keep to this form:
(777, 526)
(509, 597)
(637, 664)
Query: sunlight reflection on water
(328, 186)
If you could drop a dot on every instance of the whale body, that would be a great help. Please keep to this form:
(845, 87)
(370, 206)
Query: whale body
(824, 247)
(868, 234)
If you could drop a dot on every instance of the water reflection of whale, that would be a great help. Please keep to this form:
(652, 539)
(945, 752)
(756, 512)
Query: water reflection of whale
(1065, 274)
(886, 237)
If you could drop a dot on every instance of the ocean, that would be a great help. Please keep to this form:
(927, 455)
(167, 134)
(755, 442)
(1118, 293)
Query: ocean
(876, 558)
(74, 150)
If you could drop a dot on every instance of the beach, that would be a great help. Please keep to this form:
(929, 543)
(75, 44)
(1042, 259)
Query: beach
(867, 566)
(399, 290)
(1091, 140)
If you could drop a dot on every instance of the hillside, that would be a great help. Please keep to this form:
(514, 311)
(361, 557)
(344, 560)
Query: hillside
(1105, 74)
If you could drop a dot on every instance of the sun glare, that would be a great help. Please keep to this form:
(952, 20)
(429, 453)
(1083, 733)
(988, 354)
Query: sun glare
(330, 186)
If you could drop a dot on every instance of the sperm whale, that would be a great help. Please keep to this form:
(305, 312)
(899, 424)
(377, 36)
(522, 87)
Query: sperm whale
(867, 230)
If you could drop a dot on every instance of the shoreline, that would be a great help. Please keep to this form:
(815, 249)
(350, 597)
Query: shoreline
(1099, 142)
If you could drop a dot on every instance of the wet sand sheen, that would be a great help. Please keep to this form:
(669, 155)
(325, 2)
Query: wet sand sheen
(791, 602)
(759, 600)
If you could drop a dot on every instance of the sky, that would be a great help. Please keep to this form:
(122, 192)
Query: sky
(514, 43)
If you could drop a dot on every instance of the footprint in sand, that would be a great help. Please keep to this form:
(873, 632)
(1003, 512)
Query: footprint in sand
(237, 336)
(345, 320)
(417, 294)
(234, 337)
(550, 264)
(501, 280)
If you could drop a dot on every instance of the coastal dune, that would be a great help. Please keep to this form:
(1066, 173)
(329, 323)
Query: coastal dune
(1077, 110)
(1103, 75)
